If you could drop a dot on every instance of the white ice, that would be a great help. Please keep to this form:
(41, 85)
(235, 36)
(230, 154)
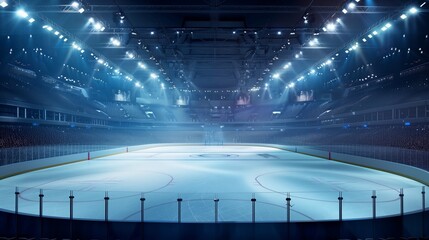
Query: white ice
(199, 174)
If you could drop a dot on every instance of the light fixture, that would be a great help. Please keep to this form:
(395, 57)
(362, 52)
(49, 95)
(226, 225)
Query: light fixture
(291, 85)
(374, 33)
(312, 71)
(369, 35)
(31, 20)
(142, 65)
(100, 61)
(130, 55)
(152, 33)
(364, 40)
(276, 76)
(47, 27)
(331, 27)
(81, 10)
(403, 16)
(153, 76)
(138, 84)
(75, 5)
(344, 11)
(351, 5)
(279, 33)
(98, 26)
(3, 4)
(22, 13)
(115, 42)
(413, 10)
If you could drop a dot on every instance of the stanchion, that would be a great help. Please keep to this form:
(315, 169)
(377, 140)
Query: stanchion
(340, 206)
(216, 201)
(253, 208)
(142, 199)
(288, 199)
(16, 211)
(41, 195)
(71, 197)
(179, 209)
(106, 206)
(374, 204)
(423, 212)
(401, 197)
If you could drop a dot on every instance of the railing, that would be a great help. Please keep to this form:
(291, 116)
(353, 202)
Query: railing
(415, 158)
(23, 154)
(213, 207)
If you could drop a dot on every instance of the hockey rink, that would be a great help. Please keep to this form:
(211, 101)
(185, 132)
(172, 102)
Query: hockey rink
(200, 174)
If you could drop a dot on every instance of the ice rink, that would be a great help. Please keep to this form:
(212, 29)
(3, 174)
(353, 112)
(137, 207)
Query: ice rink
(198, 175)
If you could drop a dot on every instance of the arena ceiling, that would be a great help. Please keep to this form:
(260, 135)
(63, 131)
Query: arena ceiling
(216, 44)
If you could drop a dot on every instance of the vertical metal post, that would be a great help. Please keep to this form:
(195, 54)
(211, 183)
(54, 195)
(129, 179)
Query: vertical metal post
(288, 199)
(253, 208)
(106, 206)
(179, 209)
(340, 207)
(423, 199)
(401, 197)
(71, 197)
(142, 199)
(216, 201)
(41, 195)
(16, 200)
(374, 205)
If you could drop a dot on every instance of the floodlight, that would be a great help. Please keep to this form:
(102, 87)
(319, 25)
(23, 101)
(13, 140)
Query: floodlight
(22, 13)
(3, 4)
(413, 10)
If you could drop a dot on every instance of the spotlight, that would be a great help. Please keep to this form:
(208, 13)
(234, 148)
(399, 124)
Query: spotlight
(31, 20)
(351, 5)
(152, 33)
(291, 85)
(312, 71)
(65, 40)
(369, 35)
(22, 13)
(403, 16)
(413, 10)
(328, 62)
(153, 76)
(296, 55)
(279, 33)
(100, 61)
(81, 10)
(75, 5)
(98, 26)
(344, 11)
(137, 84)
(142, 65)
(130, 55)
(374, 33)
(3, 4)
(47, 27)
(364, 40)
(56, 33)
(276, 76)
(115, 42)
(331, 27)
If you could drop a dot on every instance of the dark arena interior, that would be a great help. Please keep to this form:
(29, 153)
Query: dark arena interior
(214, 119)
